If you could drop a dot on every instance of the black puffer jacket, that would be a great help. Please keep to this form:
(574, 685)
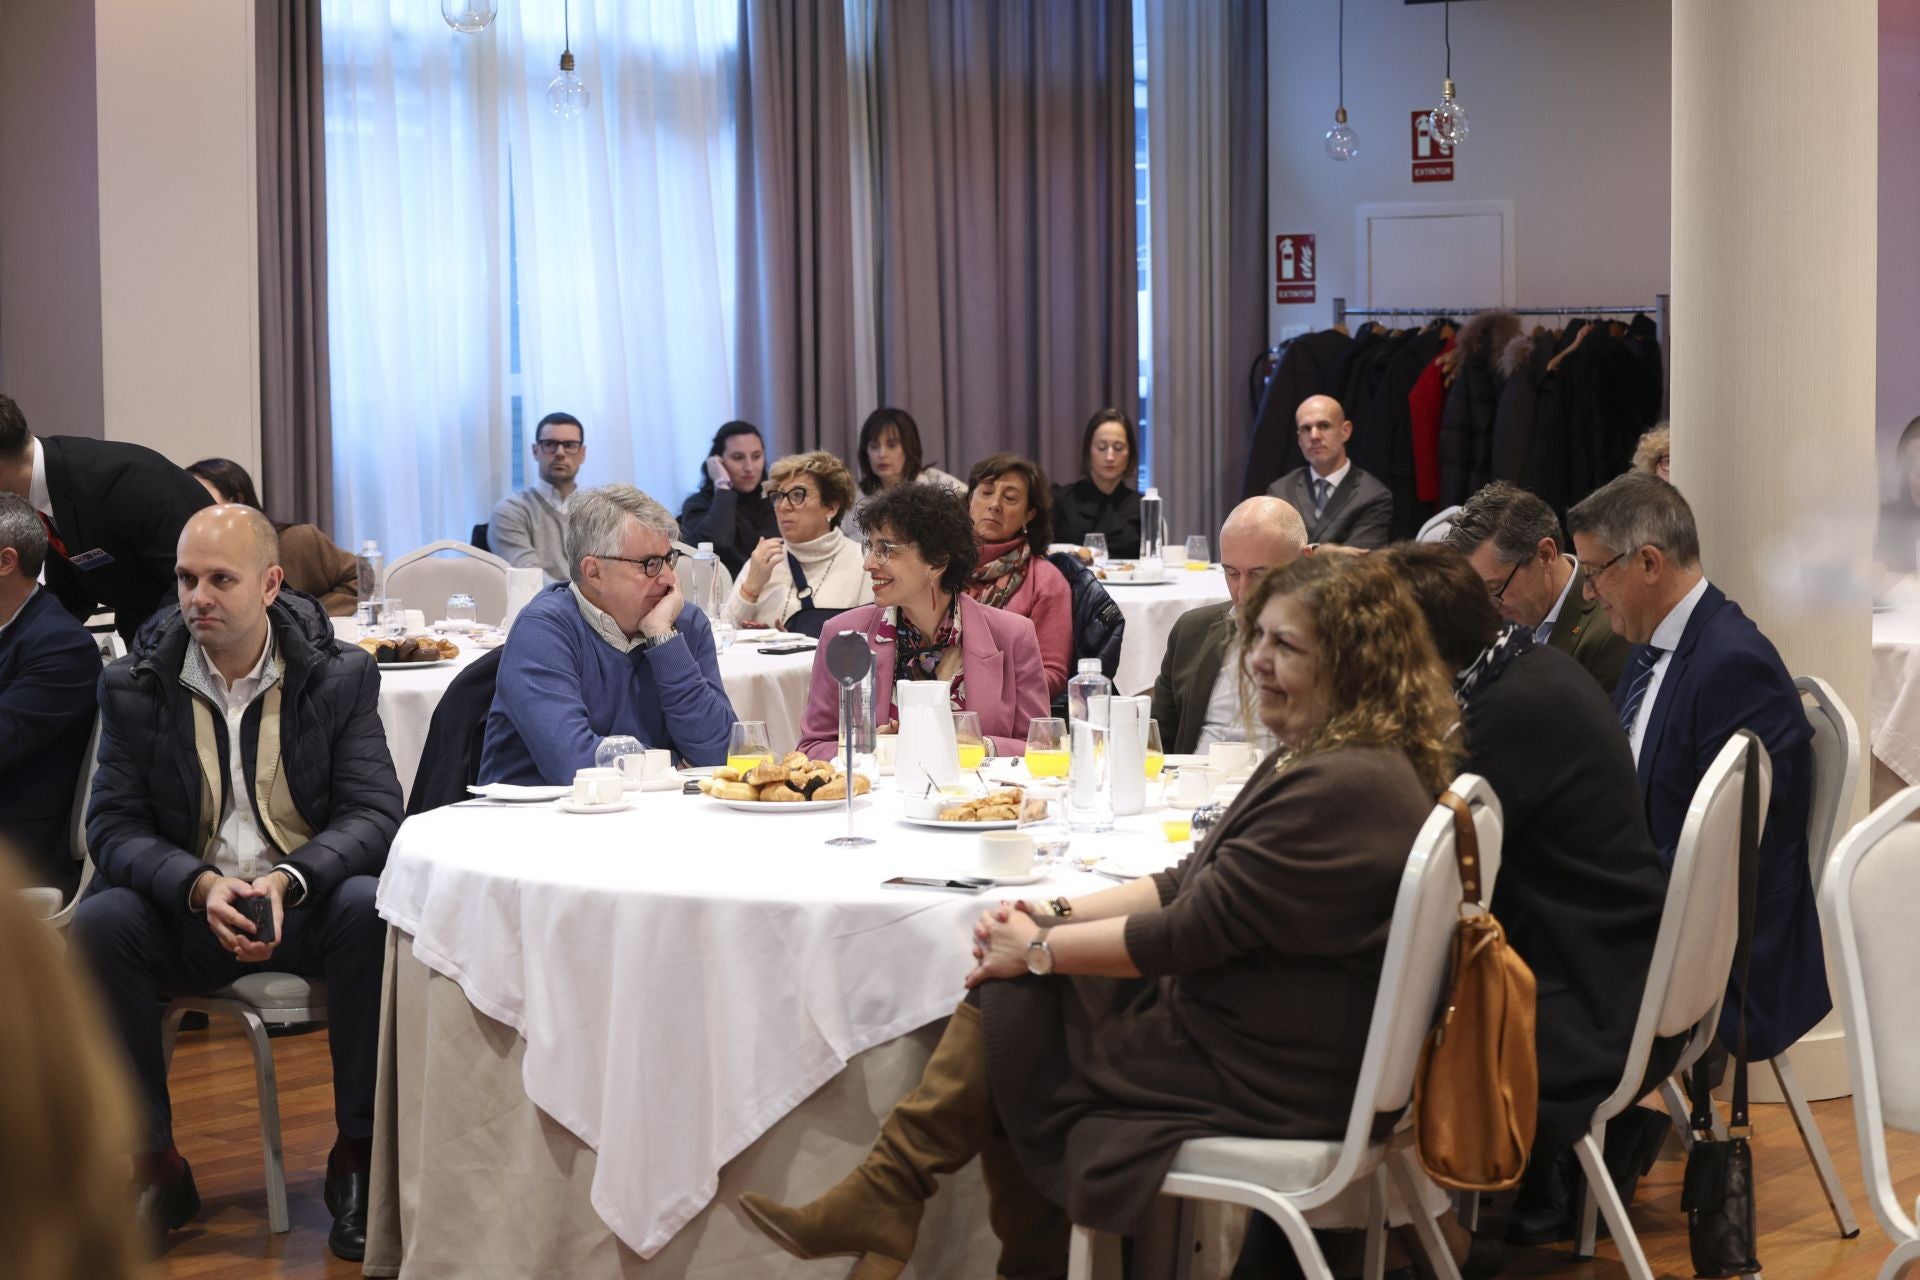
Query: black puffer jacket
(145, 809)
(1099, 628)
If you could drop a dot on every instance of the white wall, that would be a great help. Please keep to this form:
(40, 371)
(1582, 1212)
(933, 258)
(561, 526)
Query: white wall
(1898, 399)
(1570, 114)
(179, 291)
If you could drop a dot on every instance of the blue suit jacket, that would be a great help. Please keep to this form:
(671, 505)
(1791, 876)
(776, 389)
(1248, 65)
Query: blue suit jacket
(49, 669)
(1725, 676)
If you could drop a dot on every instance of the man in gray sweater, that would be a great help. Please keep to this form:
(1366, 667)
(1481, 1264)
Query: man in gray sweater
(528, 528)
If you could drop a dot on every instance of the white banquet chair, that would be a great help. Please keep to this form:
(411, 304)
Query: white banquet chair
(1438, 526)
(423, 579)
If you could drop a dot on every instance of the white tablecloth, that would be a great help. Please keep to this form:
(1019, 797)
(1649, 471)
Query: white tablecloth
(1150, 613)
(685, 974)
(1896, 693)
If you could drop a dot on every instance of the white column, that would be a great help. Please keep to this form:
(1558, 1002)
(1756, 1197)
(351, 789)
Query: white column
(1775, 129)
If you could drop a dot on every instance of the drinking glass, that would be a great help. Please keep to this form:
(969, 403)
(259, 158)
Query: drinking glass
(612, 749)
(462, 613)
(747, 745)
(1047, 753)
(393, 618)
(1199, 554)
(1043, 818)
(1156, 758)
(968, 738)
(1097, 543)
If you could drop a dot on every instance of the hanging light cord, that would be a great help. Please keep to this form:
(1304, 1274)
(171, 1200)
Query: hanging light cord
(1343, 53)
(566, 20)
(1447, 26)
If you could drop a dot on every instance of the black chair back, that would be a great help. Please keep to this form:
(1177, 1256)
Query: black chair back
(450, 761)
(1099, 627)
(479, 537)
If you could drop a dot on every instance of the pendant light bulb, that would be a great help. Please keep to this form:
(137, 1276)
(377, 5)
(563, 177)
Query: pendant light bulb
(567, 96)
(1449, 122)
(469, 17)
(1342, 142)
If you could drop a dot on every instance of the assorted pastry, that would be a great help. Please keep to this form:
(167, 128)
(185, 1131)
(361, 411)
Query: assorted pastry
(412, 649)
(1001, 805)
(790, 780)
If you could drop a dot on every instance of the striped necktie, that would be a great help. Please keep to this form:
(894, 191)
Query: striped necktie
(53, 536)
(1639, 675)
(1319, 498)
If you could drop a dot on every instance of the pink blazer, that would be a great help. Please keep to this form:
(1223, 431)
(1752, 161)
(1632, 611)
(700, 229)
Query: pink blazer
(1000, 656)
(1046, 600)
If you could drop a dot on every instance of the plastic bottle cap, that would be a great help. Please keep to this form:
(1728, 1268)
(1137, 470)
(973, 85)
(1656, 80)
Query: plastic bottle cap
(369, 545)
(704, 547)
(1090, 667)
(1152, 493)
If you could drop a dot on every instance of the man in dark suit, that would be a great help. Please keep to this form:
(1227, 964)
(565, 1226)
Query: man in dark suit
(48, 669)
(1699, 671)
(1339, 502)
(113, 513)
(1196, 698)
(1512, 539)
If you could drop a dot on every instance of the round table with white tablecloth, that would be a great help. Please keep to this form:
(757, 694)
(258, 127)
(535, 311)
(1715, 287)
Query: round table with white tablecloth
(669, 984)
(1151, 609)
(1896, 694)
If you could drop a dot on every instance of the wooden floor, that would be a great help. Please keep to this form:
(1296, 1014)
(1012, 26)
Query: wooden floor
(218, 1129)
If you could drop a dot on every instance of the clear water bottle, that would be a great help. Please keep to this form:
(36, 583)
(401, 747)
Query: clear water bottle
(1152, 529)
(371, 565)
(1088, 692)
(704, 591)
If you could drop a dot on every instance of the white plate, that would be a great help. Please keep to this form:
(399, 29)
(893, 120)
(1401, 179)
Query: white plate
(1032, 877)
(1002, 824)
(788, 806)
(1114, 869)
(668, 781)
(1135, 582)
(515, 793)
(413, 666)
(1184, 761)
(568, 806)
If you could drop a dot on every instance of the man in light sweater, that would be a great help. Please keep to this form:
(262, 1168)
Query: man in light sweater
(616, 651)
(528, 529)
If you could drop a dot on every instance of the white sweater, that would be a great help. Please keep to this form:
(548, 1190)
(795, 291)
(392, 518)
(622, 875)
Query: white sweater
(834, 569)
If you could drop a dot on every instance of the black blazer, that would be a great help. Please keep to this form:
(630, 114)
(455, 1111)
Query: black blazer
(49, 667)
(1358, 514)
(125, 501)
(1080, 509)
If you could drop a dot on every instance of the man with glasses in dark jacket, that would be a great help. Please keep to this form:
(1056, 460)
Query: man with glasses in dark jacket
(242, 760)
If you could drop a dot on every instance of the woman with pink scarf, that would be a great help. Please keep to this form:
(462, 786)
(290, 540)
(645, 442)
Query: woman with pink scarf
(1011, 505)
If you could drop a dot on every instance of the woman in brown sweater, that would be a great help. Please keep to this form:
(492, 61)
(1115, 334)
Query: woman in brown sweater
(1230, 995)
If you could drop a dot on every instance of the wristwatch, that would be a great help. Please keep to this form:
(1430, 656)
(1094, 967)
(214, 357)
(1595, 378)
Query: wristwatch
(654, 642)
(1039, 957)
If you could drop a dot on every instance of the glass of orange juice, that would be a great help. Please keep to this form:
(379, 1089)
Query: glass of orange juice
(1047, 755)
(1199, 554)
(1156, 758)
(971, 742)
(1177, 829)
(747, 745)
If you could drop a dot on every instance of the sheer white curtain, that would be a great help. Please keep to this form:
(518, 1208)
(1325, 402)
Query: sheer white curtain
(624, 224)
(447, 175)
(416, 274)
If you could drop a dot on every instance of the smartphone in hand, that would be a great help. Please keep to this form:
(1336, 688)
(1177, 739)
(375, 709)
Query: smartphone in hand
(260, 911)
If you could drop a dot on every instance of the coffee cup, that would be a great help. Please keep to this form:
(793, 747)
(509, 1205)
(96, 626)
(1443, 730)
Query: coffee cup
(1006, 855)
(645, 766)
(1231, 759)
(1194, 785)
(597, 786)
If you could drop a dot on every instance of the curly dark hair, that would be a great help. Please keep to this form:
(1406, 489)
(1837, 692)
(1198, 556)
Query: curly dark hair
(934, 519)
(903, 425)
(1373, 655)
(1039, 526)
(1458, 608)
(727, 431)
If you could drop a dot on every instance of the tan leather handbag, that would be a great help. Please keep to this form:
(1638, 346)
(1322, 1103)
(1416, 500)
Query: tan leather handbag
(1476, 1095)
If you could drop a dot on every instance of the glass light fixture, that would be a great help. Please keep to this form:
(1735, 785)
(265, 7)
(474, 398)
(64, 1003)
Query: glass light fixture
(567, 96)
(1448, 122)
(470, 17)
(1341, 141)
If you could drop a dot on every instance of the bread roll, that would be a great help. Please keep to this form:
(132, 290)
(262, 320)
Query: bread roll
(734, 791)
(727, 773)
(780, 793)
(796, 760)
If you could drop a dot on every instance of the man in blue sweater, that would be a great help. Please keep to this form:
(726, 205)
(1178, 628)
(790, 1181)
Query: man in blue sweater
(615, 651)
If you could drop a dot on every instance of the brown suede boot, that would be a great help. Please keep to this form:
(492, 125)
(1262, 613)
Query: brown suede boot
(1033, 1231)
(874, 1212)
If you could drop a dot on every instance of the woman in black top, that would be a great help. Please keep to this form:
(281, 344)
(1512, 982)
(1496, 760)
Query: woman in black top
(729, 508)
(1101, 501)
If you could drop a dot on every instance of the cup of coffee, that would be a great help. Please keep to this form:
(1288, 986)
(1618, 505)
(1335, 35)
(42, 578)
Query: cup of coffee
(1006, 855)
(1194, 785)
(645, 766)
(597, 786)
(1232, 759)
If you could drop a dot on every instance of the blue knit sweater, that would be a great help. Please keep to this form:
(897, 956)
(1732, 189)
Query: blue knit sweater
(562, 689)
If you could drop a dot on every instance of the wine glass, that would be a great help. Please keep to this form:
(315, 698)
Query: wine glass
(612, 750)
(747, 745)
(1043, 819)
(1156, 758)
(1047, 754)
(971, 742)
(1199, 554)
(1097, 544)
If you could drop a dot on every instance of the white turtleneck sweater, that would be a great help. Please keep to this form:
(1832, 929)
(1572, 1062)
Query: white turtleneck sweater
(834, 569)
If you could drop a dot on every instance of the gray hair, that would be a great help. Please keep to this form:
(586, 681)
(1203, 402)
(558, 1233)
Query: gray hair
(20, 528)
(1638, 510)
(1515, 519)
(597, 519)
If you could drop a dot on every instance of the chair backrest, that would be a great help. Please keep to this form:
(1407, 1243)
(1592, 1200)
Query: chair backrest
(694, 579)
(1437, 526)
(1099, 628)
(423, 580)
(1866, 915)
(1700, 922)
(77, 825)
(1414, 971)
(450, 758)
(1836, 769)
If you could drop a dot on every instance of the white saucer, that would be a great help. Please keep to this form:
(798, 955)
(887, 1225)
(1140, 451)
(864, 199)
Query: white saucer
(1033, 877)
(568, 806)
(668, 781)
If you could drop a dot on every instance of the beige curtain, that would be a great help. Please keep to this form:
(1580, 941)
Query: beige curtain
(1207, 178)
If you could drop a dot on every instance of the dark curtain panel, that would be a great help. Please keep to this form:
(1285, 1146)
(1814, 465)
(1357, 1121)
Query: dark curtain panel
(1247, 236)
(296, 426)
(1005, 230)
(796, 360)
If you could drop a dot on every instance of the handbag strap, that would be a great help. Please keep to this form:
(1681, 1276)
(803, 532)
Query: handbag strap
(1466, 848)
(801, 591)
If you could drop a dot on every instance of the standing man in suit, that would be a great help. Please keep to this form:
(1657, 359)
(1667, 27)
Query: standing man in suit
(48, 669)
(1196, 698)
(113, 513)
(1699, 671)
(1512, 539)
(1339, 502)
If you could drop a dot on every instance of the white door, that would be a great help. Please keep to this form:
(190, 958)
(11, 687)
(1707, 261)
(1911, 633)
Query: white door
(1439, 256)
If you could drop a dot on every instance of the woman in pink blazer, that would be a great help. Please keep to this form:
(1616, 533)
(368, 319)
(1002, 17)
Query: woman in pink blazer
(922, 626)
(1011, 506)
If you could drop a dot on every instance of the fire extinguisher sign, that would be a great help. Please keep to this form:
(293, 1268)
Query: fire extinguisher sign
(1432, 158)
(1294, 268)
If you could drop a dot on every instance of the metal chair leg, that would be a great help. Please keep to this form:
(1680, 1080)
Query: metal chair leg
(1899, 1260)
(277, 1219)
(169, 1032)
(1589, 1225)
(1374, 1265)
(1678, 1110)
(1600, 1191)
(1816, 1147)
(1080, 1253)
(1439, 1256)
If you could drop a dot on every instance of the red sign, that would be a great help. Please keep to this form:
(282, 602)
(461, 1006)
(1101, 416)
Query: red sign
(1432, 158)
(1294, 268)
